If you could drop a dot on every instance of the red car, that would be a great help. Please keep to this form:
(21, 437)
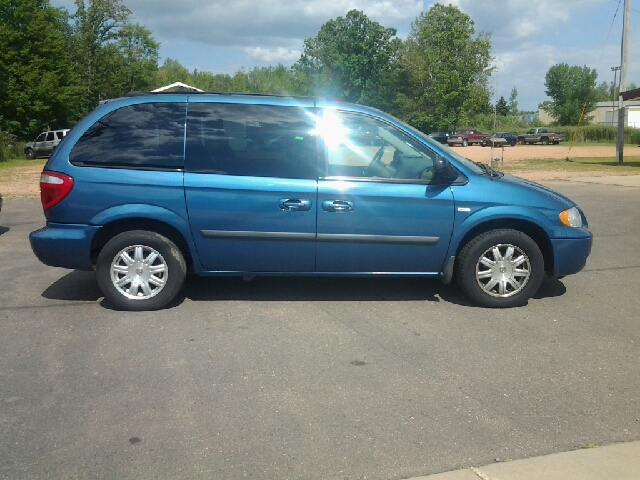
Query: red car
(466, 137)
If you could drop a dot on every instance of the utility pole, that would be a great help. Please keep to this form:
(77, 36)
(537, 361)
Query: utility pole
(613, 99)
(624, 60)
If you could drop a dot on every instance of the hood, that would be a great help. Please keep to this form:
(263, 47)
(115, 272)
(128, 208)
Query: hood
(536, 187)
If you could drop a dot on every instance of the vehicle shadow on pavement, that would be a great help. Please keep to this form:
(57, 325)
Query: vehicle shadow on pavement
(80, 285)
(550, 287)
(4, 230)
(318, 289)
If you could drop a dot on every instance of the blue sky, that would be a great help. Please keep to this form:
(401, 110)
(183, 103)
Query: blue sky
(528, 37)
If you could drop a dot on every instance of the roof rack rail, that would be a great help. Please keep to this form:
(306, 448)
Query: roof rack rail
(256, 94)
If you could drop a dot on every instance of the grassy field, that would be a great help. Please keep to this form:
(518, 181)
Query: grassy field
(19, 163)
(602, 166)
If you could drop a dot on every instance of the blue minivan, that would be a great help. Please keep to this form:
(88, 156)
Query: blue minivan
(148, 188)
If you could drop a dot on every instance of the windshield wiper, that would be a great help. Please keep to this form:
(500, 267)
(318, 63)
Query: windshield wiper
(489, 170)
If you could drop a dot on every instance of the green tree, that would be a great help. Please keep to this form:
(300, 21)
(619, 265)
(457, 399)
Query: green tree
(573, 91)
(138, 57)
(349, 57)
(172, 71)
(444, 70)
(38, 84)
(513, 102)
(97, 26)
(278, 79)
(209, 82)
(607, 91)
(501, 107)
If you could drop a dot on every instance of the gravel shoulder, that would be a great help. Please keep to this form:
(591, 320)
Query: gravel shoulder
(24, 181)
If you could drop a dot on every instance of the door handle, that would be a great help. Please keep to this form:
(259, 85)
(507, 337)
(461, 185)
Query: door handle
(337, 206)
(299, 204)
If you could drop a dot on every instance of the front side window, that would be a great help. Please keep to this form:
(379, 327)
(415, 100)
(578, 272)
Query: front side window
(362, 146)
(251, 140)
(144, 136)
(41, 137)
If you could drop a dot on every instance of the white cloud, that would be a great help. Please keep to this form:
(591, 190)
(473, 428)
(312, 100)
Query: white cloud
(267, 23)
(525, 19)
(273, 56)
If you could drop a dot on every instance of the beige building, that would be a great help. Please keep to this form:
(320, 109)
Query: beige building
(606, 113)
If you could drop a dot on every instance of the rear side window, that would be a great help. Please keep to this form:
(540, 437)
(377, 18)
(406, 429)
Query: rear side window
(251, 140)
(50, 137)
(144, 136)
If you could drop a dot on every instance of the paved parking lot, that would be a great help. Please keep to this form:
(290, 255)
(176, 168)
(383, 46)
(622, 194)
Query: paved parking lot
(315, 378)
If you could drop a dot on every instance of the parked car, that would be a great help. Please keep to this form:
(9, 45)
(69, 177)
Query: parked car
(269, 185)
(540, 135)
(440, 137)
(499, 139)
(0, 202)
(44, 144)
(466, 137)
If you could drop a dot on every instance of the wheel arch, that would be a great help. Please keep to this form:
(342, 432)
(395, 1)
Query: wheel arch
(529, 228)
(116, 227)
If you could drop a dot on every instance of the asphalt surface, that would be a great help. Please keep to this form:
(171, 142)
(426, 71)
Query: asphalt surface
(315, 378)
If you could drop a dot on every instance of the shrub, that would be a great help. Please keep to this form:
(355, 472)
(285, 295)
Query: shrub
(599, 133)
(9, 146)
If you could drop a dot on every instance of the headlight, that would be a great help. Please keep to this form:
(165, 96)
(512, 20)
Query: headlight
(571, 217)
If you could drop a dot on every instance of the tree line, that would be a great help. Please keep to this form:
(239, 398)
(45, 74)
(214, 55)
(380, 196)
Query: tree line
(55, 67)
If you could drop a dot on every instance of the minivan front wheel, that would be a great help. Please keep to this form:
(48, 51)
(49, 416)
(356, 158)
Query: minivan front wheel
(500, 268)
(140, 270)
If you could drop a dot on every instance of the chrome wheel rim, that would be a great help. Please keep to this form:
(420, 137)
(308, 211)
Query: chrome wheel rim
(139, 272)
(503, 270)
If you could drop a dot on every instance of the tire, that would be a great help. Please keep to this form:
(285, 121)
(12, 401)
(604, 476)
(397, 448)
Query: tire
(145, 261)
(545, 141)
(513, 143)
(486, 269)
(465, 142)
(30, 154)
(521, 141)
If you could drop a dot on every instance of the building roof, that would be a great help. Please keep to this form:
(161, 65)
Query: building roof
(177, 87)
(631, 94)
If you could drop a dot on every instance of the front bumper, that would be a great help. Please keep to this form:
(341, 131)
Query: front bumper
(570, 254)
(64, 245)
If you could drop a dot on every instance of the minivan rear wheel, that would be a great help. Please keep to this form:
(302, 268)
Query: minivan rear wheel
(500, 268)
(140, 270)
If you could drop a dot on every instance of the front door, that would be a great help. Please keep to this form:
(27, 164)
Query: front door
(379, 210)
(251, 186)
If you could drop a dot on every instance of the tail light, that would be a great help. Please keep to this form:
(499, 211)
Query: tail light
(54, 187)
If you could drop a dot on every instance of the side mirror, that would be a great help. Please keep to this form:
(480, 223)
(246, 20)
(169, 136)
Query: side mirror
(444, 172)
(441, 164)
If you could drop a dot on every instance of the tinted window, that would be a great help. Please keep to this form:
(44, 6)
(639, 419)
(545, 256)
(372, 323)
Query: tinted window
(60, 135)
(252, 140)
(149, 135)
(41, 137)
(50, 137)
(362, 146)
